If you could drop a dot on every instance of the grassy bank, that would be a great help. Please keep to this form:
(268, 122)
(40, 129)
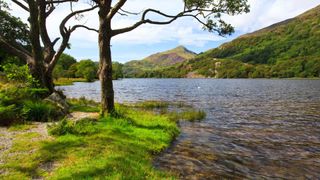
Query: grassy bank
(68, 81)
(120, 147)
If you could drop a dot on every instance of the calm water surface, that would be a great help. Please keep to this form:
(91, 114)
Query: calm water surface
(257, 129)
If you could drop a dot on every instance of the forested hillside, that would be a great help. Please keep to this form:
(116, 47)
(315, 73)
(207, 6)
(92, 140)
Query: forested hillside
(285, 49)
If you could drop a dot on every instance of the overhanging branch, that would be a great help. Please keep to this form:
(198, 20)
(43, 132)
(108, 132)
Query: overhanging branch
(21, 5)
(14, 49)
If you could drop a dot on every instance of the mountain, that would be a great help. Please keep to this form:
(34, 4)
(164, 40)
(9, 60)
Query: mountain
(286, 49)
(158, 61)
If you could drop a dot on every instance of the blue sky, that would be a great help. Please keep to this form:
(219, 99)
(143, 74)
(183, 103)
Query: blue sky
(149, 39)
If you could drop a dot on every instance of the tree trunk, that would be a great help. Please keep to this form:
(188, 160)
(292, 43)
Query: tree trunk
(105, 69)
(43, 77)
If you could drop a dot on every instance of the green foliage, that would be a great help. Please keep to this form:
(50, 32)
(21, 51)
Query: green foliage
(66, 67)
(81, 127)
(8, 114)
(66, 61)
(39, 111)
(117, 71)
(19, 74)
(18, 93)
(216, 23)
(19, 103)
(12, 28)
(87, 69)
(58, 72)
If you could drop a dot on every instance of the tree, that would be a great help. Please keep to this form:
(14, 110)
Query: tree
(66, 61)
(206, 12)
(13, 29)
(42, 56)
(117, 70)
(87, 69)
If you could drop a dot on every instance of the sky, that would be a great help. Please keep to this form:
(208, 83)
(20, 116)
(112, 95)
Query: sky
(150, 39)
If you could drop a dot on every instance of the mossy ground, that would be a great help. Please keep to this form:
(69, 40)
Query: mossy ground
(119, 147)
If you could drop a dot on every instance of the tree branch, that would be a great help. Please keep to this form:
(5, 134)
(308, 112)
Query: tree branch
(115, 9)
(61, 1)
(83, 26)
(65, 33)
(21, 5)
(128, 12)
(144, 20)
(14, 49)
(67, 18)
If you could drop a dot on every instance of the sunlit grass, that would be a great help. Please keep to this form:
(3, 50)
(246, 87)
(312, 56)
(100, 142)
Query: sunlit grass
(68, 81)
(120, 148)
(111, 147)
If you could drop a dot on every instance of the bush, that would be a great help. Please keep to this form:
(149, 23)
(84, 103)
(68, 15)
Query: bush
(19, 74)
(81, 127)
(8, 114)
(17, 94)
(39, 111)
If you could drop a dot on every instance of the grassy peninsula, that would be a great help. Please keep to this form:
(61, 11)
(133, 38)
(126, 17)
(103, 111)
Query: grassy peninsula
(39, 142)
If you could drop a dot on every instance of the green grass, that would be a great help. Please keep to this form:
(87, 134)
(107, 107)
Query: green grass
(118, 148)
(68, 81)
(187, 115)
(121, 147)
(83, 105)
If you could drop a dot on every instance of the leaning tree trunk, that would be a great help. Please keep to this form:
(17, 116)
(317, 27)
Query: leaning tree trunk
(105, 70)
(36, 65)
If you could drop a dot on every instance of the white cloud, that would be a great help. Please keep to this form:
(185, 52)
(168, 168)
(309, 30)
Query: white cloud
(185, 31)
(267, 12)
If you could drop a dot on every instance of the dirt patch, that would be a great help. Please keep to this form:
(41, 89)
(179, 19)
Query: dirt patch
(8, 136)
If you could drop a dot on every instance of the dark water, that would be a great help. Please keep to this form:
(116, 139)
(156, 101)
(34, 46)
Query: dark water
(256, 129)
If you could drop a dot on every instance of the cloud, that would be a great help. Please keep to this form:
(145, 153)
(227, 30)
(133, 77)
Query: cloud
(184, 31)
(267, 12)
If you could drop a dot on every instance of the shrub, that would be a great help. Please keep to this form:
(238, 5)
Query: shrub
(18, 94)
(8, 114)
(61, 128)
(81, 127)
(39, 111)
(19, 74)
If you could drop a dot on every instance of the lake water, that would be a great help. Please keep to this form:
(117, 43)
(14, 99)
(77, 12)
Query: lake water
(257, 129)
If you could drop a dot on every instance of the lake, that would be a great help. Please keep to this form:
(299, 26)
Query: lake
(254, 128)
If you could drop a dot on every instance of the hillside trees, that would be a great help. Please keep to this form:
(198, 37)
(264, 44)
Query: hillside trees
(41, 57)
(206, 12)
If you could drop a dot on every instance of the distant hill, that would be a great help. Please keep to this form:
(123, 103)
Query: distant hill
(158, 61)
(290, 48)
